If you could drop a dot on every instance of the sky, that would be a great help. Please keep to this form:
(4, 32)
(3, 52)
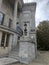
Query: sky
(42, 10)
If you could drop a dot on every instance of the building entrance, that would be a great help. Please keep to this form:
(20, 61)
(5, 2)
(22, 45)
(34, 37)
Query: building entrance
(5, 39)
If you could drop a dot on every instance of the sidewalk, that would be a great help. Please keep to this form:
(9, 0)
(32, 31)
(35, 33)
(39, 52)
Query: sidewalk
(3, 51)
(42, 59)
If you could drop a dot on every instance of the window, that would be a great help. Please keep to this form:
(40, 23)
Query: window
(3, 39)
(32, 30)
(18, 38)
(7, 40)
(17, 23)
(25, 29)
(1, 18)
(18, 10)
(25, 24)
(17, 26)
(10, 23)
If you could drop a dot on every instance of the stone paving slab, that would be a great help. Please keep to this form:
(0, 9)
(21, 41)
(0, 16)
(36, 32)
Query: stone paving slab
(31, 64)
(5, 61)
(38, 63)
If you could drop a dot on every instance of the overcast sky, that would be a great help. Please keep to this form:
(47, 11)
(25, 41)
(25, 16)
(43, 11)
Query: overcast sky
(42, 10)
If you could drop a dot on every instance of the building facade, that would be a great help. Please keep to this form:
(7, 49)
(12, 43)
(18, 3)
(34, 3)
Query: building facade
(17, 28)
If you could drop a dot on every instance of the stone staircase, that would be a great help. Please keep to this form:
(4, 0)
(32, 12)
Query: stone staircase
(12, 58)
(8, 61)
(14, 54)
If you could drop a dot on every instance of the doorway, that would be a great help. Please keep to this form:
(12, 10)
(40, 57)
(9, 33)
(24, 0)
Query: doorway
(5, 39)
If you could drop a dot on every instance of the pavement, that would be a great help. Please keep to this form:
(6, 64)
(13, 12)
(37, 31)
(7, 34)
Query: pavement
(3, 51)
(7, 61)
(42, 59)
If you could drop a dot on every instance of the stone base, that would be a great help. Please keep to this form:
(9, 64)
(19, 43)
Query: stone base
(26, 52)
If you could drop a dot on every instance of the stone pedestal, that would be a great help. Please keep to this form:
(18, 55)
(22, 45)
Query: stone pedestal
(26, 51)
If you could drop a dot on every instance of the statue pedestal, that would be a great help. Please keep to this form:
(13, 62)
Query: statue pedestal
(26, 51)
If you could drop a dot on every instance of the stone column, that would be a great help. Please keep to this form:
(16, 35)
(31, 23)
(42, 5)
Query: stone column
(5, 40)
(36, 45)
(6, 20)
(0, 3)
(15, 15)
(0, 37)
(15, 40)
(10, 43)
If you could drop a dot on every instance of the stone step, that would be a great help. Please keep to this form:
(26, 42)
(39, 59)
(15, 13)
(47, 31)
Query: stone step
(7, 61)
(14, 57)
(15, 50)
(14, 54)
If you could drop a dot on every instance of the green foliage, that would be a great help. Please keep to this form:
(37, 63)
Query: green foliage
(43, 35)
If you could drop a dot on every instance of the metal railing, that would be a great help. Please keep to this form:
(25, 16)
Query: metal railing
(19, 31)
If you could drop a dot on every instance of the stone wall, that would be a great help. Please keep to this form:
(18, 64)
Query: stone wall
(26, 52)
(8, 11)
(28, 14)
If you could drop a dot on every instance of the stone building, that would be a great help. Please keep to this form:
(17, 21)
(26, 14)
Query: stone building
(17, 29)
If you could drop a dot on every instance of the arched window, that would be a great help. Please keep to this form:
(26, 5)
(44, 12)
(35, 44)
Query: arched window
(1, 18)
(25, 29)
(17, 26)
(25, 32)
(18, 10)
(25, 24)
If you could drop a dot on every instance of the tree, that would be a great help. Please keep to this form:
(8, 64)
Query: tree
(43, 35)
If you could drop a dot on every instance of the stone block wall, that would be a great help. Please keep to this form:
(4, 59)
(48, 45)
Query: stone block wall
(26, 52)
(7, 10)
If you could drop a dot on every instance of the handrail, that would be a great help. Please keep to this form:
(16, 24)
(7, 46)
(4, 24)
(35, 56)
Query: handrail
(10, 29)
